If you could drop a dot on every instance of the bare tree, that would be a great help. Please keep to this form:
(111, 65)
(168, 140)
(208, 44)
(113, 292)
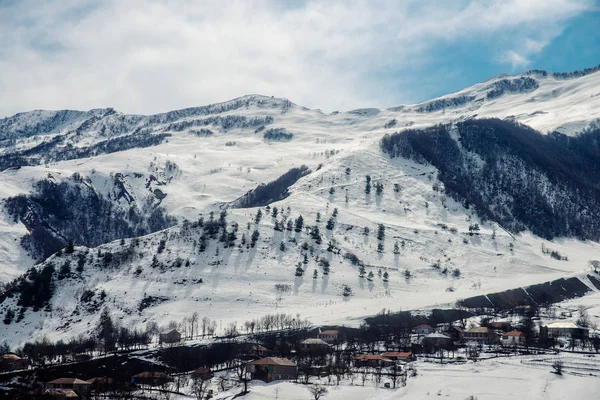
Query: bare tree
(317, 391)
(194, 324)
(199, 386)
(185, 325)
(204, 325)
(242, 376)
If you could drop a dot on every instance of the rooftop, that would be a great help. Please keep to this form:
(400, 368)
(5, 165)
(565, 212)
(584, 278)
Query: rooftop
(330, 332)
(10, 357)
(100, 380)
(314, 341)
(397, 354)
(565, 325)
(370, 357)
(514, 333)
(68, 381)
(153, 374)
(480, 329)
(435, 335)
(273, 361)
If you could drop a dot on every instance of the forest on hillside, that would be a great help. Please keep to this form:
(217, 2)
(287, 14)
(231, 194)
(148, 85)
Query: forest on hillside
(512, 174)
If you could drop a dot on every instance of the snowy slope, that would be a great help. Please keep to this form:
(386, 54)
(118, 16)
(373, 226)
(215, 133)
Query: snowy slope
(239, 283)
(199, 173)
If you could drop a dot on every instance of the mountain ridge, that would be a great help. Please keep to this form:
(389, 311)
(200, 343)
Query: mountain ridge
(365, 215)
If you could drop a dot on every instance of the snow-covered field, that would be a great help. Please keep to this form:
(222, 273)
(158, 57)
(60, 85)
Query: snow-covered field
(496, 379)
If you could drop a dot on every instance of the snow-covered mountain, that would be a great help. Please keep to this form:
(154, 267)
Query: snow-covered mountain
(142, 199)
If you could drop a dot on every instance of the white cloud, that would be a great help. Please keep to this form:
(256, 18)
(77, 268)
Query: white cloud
(151, 56)
(516, 60)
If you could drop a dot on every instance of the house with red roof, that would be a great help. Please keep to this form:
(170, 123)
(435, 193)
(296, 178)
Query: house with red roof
(513, 338)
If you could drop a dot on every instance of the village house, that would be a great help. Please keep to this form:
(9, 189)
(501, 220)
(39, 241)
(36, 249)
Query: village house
(169, 336)
(202, 373)
(64, 385)
(330, 336)
(567, 329)
(313, 344)
(153, 378)
(423, 329)
(12, 362)
(481, 334)
(372, 360)
(438, 340)
(454, 332)
(513, 338)
(253, 351)
(272, 369)
(101, 384)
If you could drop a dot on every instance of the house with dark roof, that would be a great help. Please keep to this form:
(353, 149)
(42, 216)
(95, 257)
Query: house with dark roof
(101, 383)
(202, 373)
(330, 336)
(438, 340)
(151, 378)
(169, 336)
(311, 344)
(372, 360)
(272, 369)
(12, 362)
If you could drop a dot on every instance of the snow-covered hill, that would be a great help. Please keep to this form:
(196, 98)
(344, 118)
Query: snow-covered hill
(190, 162)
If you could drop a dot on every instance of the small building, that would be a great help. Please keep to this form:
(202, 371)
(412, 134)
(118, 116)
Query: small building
(12, 362)
(372, 360)
(101, 384)
(79, 386)
(202, 373)
(313, 344)
(423, 329)
(481, 334)
(330, 336)
(169, 336)
(454, 332)
(272, 369)
(438, 340)
(257, 351)
(513, 338)
(567, 329)
(400, 356)
(151, 378)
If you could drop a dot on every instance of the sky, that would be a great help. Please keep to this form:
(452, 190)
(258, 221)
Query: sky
(150, 56)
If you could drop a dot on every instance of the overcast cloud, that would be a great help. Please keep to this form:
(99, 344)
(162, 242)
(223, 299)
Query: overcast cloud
(152, 56)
